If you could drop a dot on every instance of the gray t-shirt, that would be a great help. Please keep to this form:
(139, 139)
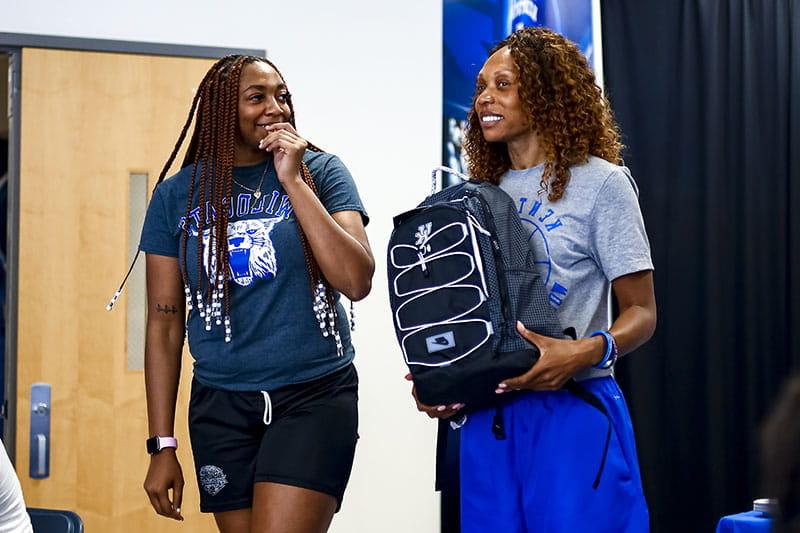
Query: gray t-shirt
(591, 236)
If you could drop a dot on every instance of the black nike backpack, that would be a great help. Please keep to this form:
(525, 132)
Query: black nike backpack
(461, 273)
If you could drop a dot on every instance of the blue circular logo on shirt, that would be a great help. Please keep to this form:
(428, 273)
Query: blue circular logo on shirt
(538, 242)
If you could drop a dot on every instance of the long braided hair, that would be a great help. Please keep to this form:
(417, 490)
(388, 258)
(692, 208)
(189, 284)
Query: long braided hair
(211, 154)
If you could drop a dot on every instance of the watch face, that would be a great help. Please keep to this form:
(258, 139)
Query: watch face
(152, 445)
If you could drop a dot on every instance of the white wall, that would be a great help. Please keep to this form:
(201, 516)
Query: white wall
(366, 81)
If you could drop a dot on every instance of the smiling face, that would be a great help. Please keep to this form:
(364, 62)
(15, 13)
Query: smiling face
(498, 104)
(263, 100)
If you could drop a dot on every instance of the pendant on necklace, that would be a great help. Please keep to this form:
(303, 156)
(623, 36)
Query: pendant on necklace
(257, 194)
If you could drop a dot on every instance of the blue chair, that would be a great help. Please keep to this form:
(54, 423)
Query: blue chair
(54, 521)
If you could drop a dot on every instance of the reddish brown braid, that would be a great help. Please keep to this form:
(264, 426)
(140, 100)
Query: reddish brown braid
(314, 273)
(226, 149)
(226, 181)
(212, 149)
(208, 170)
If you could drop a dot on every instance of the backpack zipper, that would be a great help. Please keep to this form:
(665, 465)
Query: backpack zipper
(498, 260)
(473, 225)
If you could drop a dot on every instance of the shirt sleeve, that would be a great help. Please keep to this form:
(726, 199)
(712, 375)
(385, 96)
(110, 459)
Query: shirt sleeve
(13, 514)
(337, 190)
(619, 240)
(160, 235)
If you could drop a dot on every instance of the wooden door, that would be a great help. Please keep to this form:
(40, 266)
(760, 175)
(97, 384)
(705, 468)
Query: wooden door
(90, 120)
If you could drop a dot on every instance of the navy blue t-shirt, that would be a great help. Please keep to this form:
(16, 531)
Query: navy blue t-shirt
(276, 340)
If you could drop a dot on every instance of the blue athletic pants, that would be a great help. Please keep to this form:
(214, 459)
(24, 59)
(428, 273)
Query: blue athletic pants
(540, 478)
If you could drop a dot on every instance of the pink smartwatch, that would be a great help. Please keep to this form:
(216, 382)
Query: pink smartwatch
(156, 444)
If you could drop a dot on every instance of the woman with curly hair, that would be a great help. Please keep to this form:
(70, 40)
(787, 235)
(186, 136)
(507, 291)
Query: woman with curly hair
(542, 129)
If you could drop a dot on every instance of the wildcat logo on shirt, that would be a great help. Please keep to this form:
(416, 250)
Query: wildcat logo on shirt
(251, 254)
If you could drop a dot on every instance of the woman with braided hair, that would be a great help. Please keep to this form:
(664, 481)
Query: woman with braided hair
(558, 455)
(251, 242)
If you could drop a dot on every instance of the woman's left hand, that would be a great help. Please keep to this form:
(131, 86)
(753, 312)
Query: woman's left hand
(287, 148)
(559, 360)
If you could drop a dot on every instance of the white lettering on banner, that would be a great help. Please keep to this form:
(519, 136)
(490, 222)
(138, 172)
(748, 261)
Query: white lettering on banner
(524, 7)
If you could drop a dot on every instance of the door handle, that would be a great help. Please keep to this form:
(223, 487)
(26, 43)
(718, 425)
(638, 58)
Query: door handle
(39, 462)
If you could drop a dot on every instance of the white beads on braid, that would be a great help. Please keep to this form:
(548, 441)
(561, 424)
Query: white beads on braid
(331, 320)
(219, 296)
(212, 312)
(326, 317)
(200, 308)
(188, 294)
(338, 339)
(204, 310)
(321, 306)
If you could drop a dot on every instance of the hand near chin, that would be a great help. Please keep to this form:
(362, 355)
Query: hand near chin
(287, 148)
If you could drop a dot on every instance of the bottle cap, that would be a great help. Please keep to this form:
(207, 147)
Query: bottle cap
(766, 505)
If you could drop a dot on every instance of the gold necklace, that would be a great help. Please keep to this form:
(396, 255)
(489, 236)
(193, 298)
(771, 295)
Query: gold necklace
(257, 191)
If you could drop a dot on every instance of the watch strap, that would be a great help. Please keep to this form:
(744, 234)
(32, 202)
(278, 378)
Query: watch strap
(158, 443)
(167, 442)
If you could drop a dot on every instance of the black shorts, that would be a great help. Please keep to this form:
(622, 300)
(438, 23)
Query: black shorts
(309, 442)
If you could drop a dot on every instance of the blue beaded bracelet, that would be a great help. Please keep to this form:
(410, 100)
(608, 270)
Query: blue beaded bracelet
(610, 357)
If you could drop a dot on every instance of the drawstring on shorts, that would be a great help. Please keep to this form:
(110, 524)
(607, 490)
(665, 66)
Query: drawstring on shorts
(587, 396)
(267, 408)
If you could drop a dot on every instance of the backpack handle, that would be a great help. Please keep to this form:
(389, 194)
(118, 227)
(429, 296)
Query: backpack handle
(447, 170)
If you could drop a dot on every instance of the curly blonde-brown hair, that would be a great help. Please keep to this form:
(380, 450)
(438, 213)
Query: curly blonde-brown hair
(564, 105)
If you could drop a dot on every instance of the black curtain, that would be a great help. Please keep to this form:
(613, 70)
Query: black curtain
(707, 94)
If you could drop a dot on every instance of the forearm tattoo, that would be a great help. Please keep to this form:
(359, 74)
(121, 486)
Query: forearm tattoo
(166, 309)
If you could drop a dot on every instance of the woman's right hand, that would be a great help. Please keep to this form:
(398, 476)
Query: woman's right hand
(164, 474)
(434, 411)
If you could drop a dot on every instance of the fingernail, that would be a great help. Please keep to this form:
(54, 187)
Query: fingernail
(458, 406)
(441, 408)
(502, 386)
(499, 391)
